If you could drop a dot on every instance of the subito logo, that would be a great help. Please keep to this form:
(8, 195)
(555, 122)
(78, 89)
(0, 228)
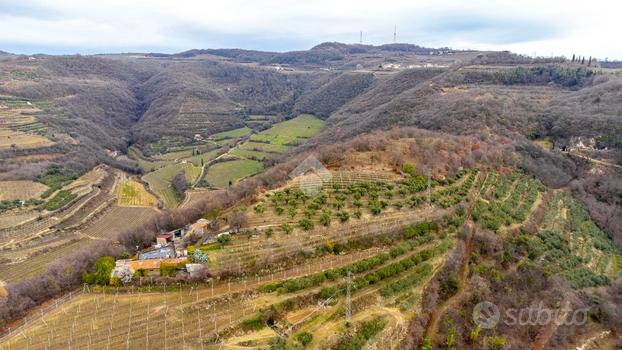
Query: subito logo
(486, 315)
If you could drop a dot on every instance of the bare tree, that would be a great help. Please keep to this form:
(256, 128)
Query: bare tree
(180, 184)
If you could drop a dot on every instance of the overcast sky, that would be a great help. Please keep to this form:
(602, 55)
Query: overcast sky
(543, 27)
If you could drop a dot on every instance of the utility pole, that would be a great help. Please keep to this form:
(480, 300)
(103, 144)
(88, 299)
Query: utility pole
(395, 34)
(429, 190)
(348, 301)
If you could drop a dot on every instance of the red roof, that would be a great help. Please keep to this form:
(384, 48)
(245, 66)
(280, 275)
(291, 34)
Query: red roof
(165, 235)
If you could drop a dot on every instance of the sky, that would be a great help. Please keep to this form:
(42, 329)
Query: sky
(540, 27)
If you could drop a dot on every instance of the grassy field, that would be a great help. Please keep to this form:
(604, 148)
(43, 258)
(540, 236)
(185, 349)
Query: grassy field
(264, 147)
(160, 181)
(132, 193)
(248, 154)
(21, 189)
(545, 143)
(219, 174)
(291, 131)
(231, 134)
(22, 140)
(145, 164)
(280, 138)
(59, 200)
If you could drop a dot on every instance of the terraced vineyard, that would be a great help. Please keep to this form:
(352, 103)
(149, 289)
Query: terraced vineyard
(23, 190)
(292, 221)
(506, 201)
(131, 193)
(389, 253)
(106, 226)
(193, 316)
(19, 128)
(575, 247)
(37, 263)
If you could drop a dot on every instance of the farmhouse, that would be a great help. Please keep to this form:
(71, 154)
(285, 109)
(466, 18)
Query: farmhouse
(164, 239)
(152, 266)
(165, 252)
(200, 227)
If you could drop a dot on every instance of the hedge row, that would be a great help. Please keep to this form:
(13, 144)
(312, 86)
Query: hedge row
(300, 283)
(411, 280)
(387, 271)
(365, 331)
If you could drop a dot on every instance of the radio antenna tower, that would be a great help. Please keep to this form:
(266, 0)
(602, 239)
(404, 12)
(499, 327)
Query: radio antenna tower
(348, 301)
(361, 38)
(395, 34)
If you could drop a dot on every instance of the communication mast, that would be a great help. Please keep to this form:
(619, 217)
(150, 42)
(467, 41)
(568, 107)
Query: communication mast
(395, 34)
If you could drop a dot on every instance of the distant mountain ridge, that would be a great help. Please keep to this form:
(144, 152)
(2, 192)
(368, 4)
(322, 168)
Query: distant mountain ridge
(319, 54)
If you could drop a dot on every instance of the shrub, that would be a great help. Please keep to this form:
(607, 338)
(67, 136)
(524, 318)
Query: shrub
(343, 216)
(409, 168)
(101, 275)
(375, 207)
(254, 323)
(223, 239)
(358, 213)
(304, 338)
(169, 269)
(365, 332)
(305, 224)
(325, 218)
(287, 228)
(259, 209)
(420, 229)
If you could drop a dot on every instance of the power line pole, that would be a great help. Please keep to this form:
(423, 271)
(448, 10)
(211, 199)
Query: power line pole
(395, 34)
(348, 301)
(429, 190)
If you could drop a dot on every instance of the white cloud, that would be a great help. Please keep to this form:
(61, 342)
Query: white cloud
(586, 28)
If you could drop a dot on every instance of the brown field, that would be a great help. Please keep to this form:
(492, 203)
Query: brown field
(16, 217)
(118, 219)
(22, 140)
(133, 194)
(20, 189)
(37, 263)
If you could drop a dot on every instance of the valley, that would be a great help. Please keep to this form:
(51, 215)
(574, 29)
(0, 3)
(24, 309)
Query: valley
(342, 197)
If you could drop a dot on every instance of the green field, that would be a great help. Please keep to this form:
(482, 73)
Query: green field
(231, 134)
(207, 156)
(145, 164)
(264, 147)
(291, 131)
(248, 154)
(279, 138)
(218, 175)
(160, 181)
